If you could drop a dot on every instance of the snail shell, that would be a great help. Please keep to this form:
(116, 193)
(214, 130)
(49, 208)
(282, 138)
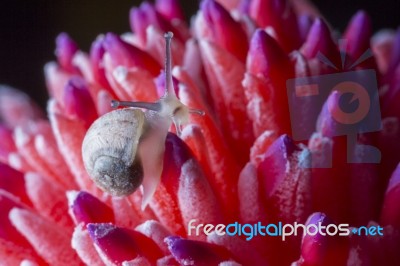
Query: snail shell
(109, 151)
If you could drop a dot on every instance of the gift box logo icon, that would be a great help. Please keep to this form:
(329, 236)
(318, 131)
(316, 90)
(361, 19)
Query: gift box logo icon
(349, 99)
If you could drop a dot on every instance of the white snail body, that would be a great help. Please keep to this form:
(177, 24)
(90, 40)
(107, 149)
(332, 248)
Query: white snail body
(124, 149)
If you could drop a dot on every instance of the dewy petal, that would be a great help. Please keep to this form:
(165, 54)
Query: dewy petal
(225, 74)
(358, 34)
(78, 103)
(250, 200)
(284, 178)
(169, 9)
(155, 46)
(190, 252)
(7, 230)
(124, 54)
(83, 245)
(196, 199)
(319, 40)
(224, 31)
(278, 15)
(49, 240)
(116, 245)
(381, 45)
(97, 51)
(48, 199)
(137, 84)
(322, 249)
(69, 135)
(12, 254)
(243, 250)
(16, 108)
(266, 57)
(156, 231)
(13, 182)
(65, 51)
(193, 136)
(85, 208)
(391, 210)
(165, 202)
(25, 140)
(224, 169)
(7, 144)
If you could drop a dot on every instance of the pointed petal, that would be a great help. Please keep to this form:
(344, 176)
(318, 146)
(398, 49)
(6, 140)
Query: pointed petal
(48, 239)
(126, 55)
(117, 245)
(83, 246)
(323, 250)
(65, 51)
(69, 135)
(156, 231)
(16, 108)
(48, 199)
(319, 40)
(196, 252)
(226, 74)
(78, 103)
(195, 197)
(85, 208)
(223, 31)
(358, 34)
(169, 9)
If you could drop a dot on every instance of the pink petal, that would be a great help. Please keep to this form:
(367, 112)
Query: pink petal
(7, 144)
(226, 74)
(83, 246)
(25, 141)
(13, 182)
(117, 245)
(169, 9)
(358, 34)
(128, 211)
(85, 208)
(129, 56)
(156, 231)
(48, 198)
(69, 135)
(278, 15)
(223, 166)
(250, 200)
(16, 108)
(319, 40)
(137, 84)
(390, 210)
(48, 239)
(323, 250)
(7, 231)
(155, 46)
(223, 31)
(193, 190)
(12, 254)
(65, 51)
(196, 252)
(78, 103)
(243, 250)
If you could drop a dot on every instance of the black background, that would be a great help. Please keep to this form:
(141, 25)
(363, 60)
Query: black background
(28, 29)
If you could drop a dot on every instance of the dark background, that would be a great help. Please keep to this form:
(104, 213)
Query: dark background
(28, 29)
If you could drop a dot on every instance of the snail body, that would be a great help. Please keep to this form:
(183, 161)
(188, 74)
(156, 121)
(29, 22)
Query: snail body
(124, 148)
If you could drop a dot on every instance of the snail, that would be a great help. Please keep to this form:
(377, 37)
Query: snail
(123, 149)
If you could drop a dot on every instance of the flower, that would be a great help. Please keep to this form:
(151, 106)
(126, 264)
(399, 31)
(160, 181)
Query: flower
(237, 163)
